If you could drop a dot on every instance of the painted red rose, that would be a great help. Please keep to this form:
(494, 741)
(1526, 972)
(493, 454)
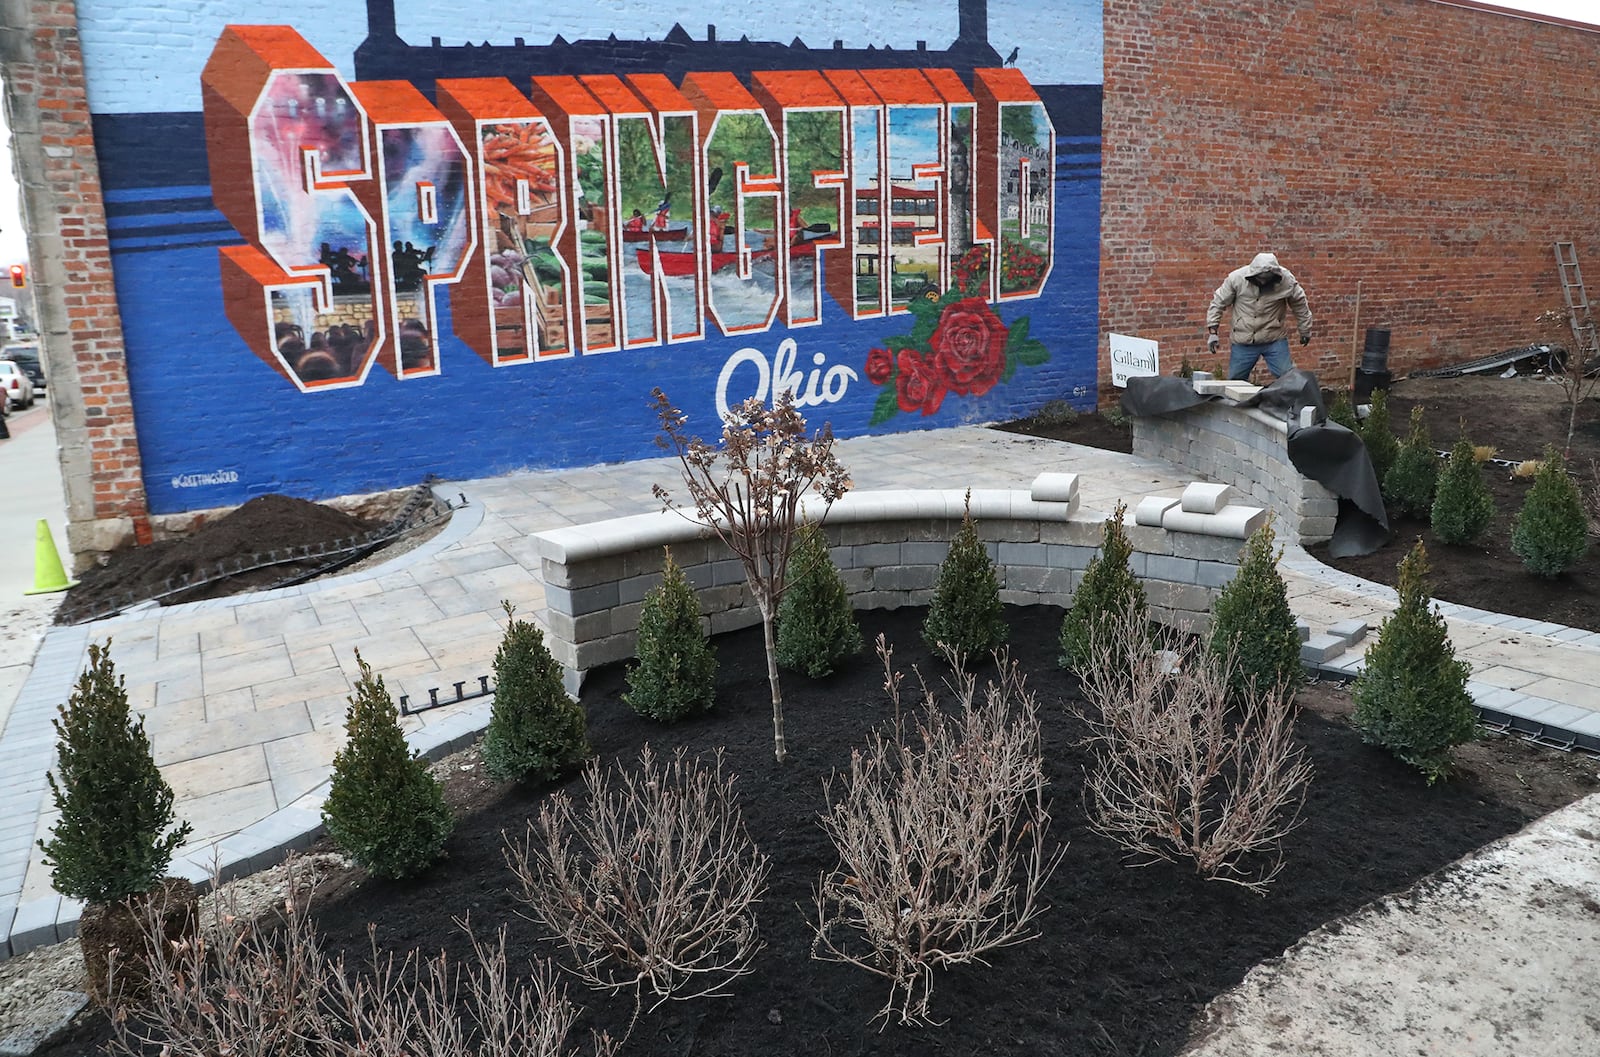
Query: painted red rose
(920, 386)
(880, 365)
(969, 347)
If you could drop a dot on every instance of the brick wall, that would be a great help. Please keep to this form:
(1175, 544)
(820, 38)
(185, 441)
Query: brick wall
(1432, 152)
(71, 271)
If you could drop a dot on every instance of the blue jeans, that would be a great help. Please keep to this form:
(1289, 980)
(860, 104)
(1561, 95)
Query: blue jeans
(1242, 359)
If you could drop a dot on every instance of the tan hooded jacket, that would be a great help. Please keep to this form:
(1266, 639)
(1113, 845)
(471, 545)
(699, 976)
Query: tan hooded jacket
(1258, 315)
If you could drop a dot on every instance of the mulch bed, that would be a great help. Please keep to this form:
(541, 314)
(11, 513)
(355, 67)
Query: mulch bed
(1090, 430)
(1126, 956)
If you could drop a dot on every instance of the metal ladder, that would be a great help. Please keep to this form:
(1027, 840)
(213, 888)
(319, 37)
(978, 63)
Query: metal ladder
(1578, 313)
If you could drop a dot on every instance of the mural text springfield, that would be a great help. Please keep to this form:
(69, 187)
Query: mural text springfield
(542, 234)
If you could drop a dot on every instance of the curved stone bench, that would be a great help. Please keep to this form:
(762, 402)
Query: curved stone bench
(1249, 450)
(888, 546)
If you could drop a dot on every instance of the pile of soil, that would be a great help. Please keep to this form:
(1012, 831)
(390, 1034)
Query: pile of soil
(1125, 957)
(266, 523)
(1519, 417)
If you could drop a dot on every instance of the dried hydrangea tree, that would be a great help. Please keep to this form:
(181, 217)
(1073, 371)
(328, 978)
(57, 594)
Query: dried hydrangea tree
(748, 491)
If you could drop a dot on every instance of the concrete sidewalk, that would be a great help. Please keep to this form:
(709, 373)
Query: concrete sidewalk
(244, 697)
(30, 489)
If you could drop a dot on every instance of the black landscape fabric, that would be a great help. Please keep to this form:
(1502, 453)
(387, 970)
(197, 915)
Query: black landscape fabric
(1327, 453)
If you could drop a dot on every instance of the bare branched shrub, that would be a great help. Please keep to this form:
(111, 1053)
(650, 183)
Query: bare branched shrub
(891, 678)
(942, 841)
(265, 988)
(1574, 370)
(651, 882)
(1177, 773)
(243, 987)
(434, 1008)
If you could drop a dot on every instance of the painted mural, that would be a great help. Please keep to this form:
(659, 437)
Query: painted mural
(344, 268)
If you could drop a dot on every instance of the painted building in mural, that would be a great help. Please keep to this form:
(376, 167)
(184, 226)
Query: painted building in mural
(351, 252)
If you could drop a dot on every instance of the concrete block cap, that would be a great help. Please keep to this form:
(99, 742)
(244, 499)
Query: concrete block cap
(1203, 498)
(1152, 509)
(1054, 488)
(1234, 522)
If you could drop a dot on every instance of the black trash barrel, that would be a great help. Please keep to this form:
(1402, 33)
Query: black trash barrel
(1375, 353)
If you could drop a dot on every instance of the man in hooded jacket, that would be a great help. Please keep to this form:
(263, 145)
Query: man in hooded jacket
(1261, 293)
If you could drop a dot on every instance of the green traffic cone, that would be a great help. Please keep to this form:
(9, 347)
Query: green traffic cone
(48, 575)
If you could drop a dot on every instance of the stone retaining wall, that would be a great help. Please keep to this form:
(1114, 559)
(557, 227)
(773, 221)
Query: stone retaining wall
(888, 546)
(1247, 449)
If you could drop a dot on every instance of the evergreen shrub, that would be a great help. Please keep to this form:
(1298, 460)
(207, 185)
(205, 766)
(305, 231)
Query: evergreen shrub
(535, 730)
(1551, 532)
(817, 629)
(115, 836)
(1409, 485)
(1342, 411)
(384, 809)
(1412, 698)
(1376, 433)
(1253, 625)
(675, 675)
(1108, 590)
(966, 615)
(1462, 505)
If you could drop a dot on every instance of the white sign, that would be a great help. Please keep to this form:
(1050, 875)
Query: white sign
(1133, 358)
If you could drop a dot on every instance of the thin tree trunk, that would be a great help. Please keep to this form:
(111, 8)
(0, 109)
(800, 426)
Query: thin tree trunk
(767, 615)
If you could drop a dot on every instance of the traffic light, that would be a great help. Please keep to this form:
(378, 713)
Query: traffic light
(19, 275)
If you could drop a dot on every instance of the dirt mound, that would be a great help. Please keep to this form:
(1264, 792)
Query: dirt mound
(264, 524)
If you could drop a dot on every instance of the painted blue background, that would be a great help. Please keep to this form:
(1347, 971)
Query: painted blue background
(204, 403)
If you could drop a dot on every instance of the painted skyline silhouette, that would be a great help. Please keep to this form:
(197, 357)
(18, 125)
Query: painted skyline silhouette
(384, 55)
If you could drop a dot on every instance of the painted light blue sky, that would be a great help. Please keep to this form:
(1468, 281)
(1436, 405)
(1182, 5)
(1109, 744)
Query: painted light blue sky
(146, 55)
(913, 138)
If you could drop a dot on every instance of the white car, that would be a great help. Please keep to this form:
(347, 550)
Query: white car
(15, 383)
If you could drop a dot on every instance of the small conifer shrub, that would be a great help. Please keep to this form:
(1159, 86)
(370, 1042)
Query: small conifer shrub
(1551, 532)
(1376, 433)
(676, 673)
(1412, 698)
(816, 627)
(965, 615)
(1410, 482)
(1344, 412)
(1253, 625)
(384, 809)
(1108, 590)
(115, 836)
(1462, 505)
(535, 730)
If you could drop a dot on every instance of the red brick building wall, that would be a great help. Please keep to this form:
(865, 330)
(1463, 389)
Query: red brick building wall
(70, 269)
(1432, 152)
